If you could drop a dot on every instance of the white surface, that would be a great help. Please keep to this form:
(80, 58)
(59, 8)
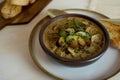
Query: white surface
(15, 60)
(108, 65)
(110, 8)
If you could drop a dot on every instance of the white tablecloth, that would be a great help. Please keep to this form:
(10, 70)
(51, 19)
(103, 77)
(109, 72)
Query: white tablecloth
(15, 60)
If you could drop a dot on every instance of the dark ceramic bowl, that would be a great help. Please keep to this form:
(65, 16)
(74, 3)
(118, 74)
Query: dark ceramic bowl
(73, 62)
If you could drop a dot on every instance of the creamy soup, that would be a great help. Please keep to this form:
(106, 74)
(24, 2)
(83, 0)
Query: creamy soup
(74, 38)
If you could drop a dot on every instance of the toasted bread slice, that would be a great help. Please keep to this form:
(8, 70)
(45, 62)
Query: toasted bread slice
(9, 11)
(114, 33)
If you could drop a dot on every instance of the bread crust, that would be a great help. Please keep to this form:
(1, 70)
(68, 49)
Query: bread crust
(9, 11)
(12, 8)
(114, 33)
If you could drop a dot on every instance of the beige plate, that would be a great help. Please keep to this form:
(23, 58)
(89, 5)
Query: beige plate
(106, 67)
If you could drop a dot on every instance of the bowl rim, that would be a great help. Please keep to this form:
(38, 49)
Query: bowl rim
(47, 51)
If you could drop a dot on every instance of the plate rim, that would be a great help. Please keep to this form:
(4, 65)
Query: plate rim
(34, 58)
(87, 10)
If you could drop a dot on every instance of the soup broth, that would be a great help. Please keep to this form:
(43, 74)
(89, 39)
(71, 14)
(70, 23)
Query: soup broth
(74, 38)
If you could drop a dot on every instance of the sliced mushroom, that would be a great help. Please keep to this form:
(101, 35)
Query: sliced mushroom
(72, 41)
(75, 53)
(61, 41)
(97, 39)
(72, 51)
(91, 30)
(82, 33)
(70, 30)
(81, 41)
(91, 49)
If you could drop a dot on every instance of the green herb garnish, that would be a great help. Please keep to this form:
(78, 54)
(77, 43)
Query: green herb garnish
(83, 36)
(70, 24)
(62, 33)
(78, 23)
(76, 51)
(79, 29)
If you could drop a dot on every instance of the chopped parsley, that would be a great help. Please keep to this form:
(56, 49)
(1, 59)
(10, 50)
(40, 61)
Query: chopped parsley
(76, 51)
(83, 36)
(62, 33)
